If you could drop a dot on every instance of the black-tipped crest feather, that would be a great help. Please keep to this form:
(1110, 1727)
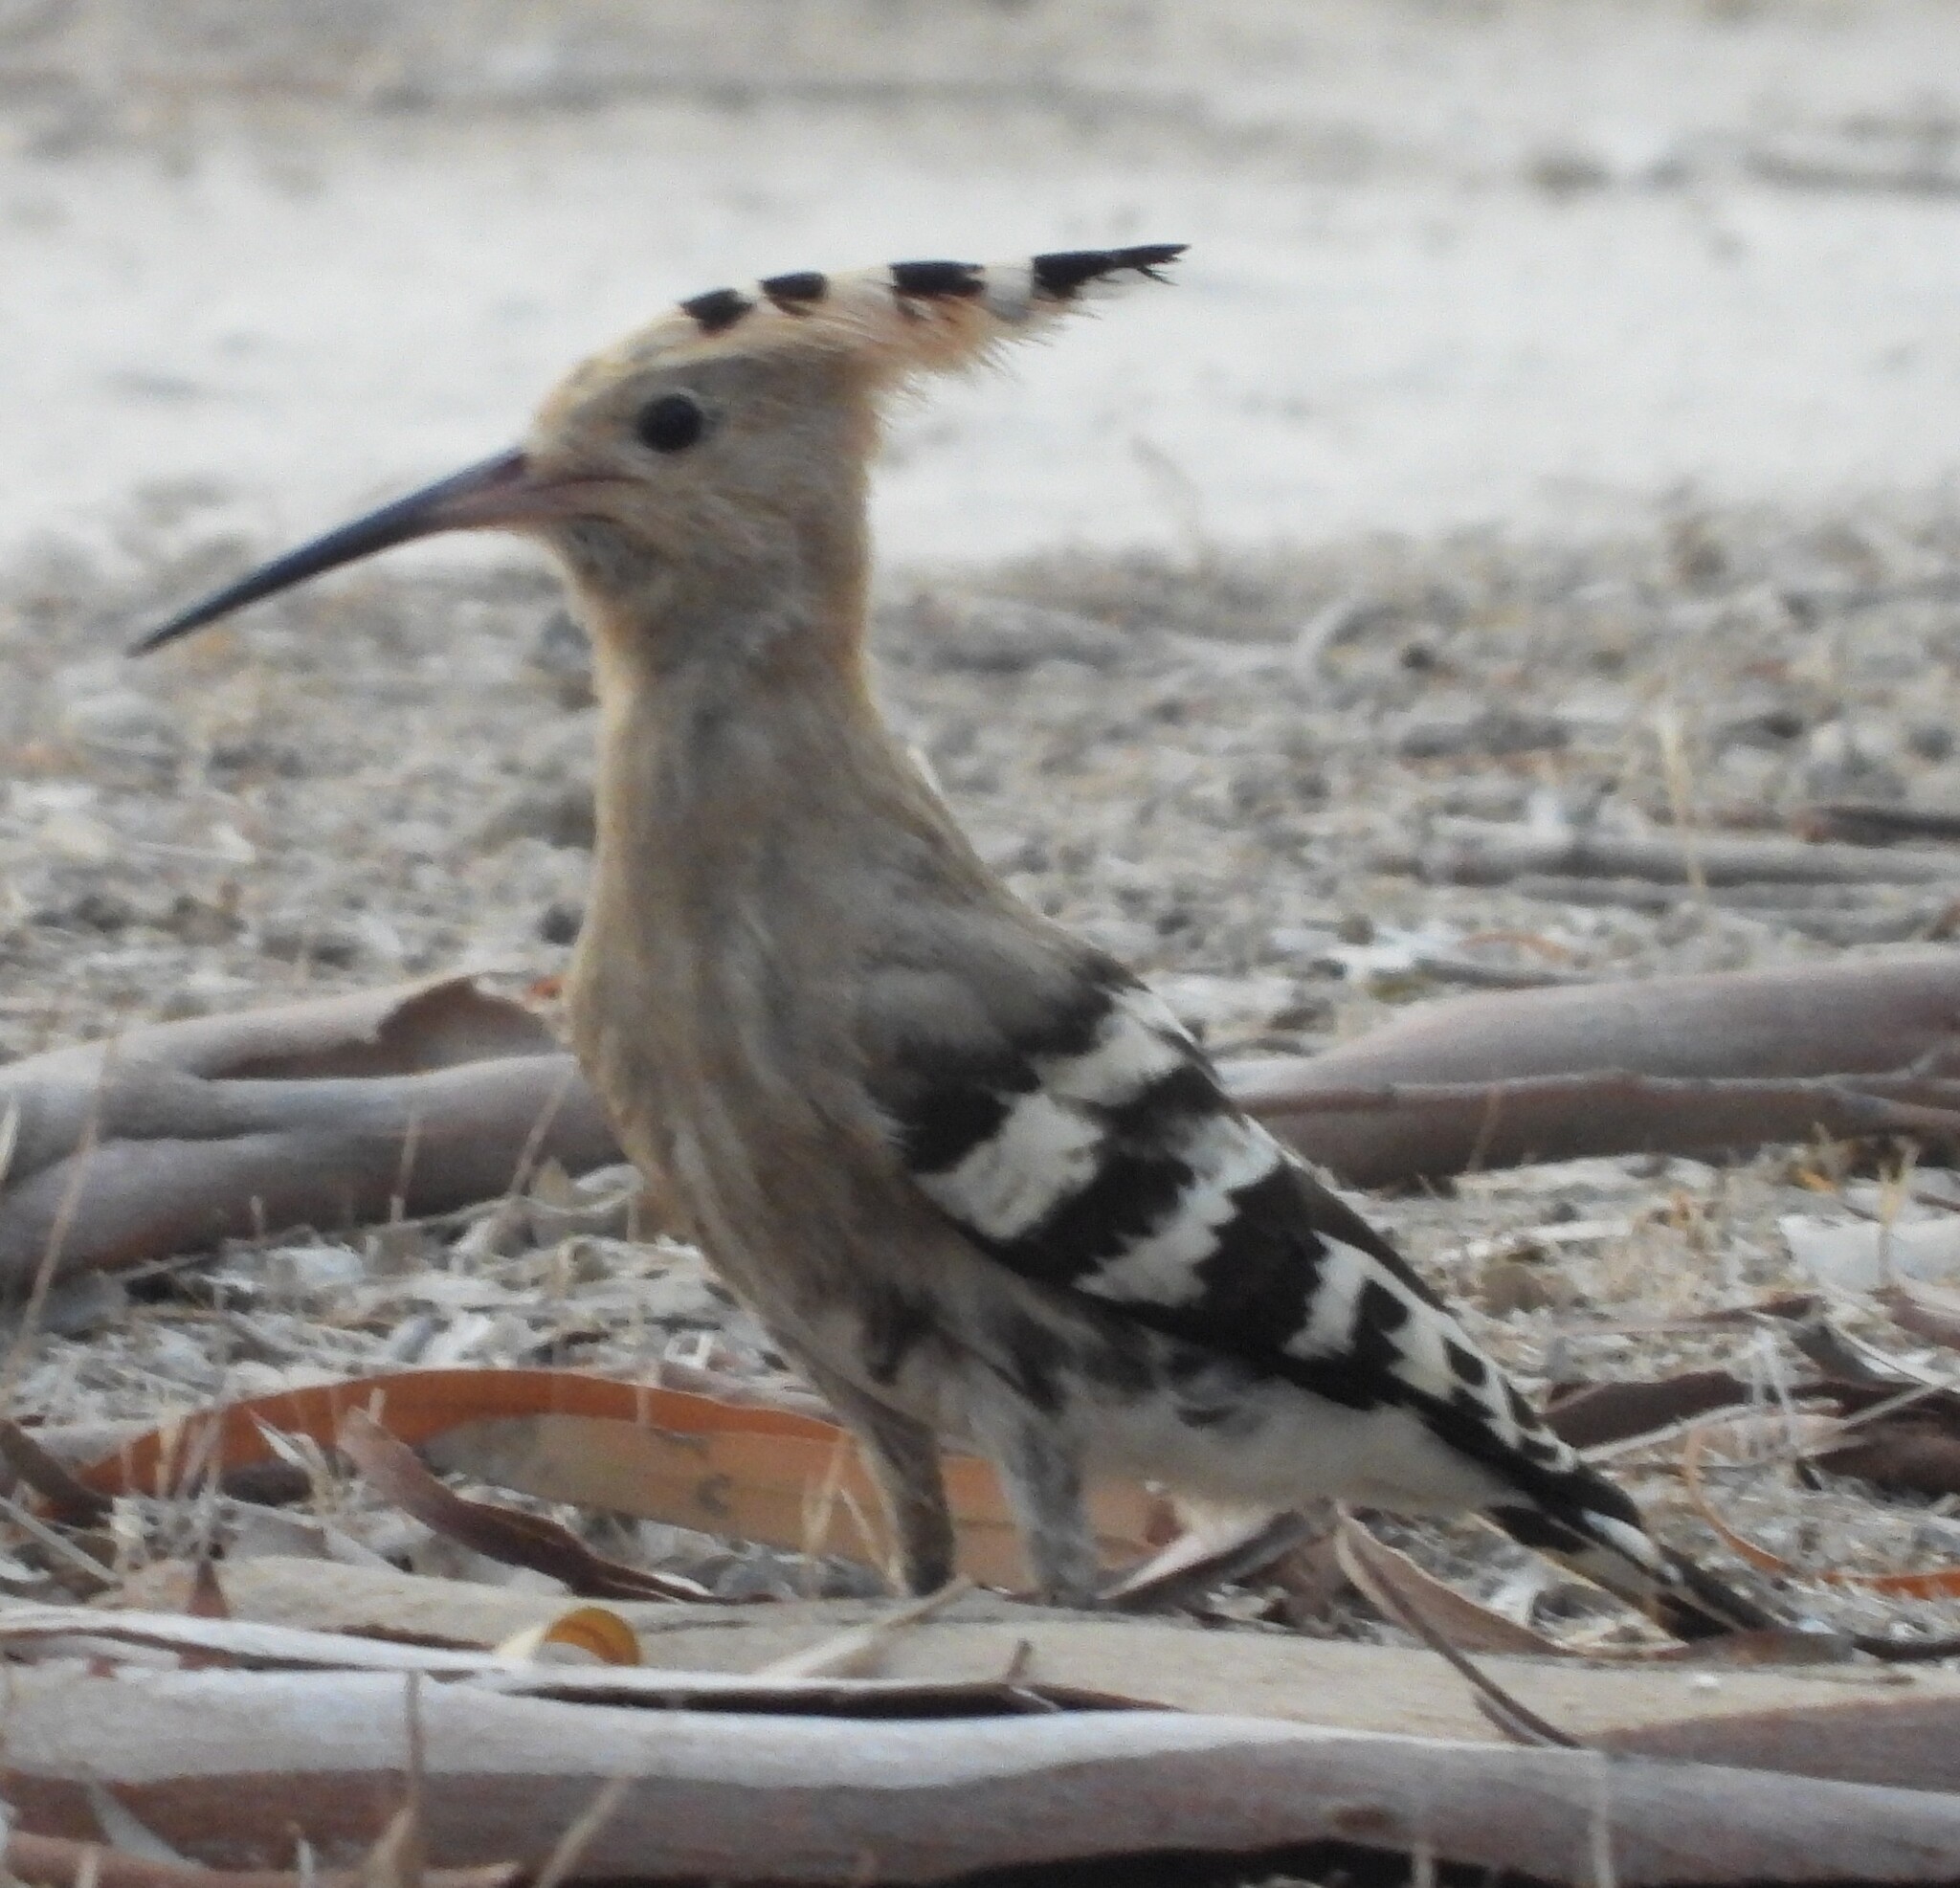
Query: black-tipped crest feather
(719, 308)
(936, 278)
(1063, 273)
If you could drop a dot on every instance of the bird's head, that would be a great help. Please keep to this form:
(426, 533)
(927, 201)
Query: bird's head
(718, 458)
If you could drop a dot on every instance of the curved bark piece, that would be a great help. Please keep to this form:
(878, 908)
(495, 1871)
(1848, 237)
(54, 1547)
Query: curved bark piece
(742, 1469)
(1687, 1065)
(332, 1112)
(1469, 852)
(407, 1029)
(176, 1164)
(508, 1535)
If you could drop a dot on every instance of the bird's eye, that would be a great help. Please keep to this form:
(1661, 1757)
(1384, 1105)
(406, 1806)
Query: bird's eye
(670, 424)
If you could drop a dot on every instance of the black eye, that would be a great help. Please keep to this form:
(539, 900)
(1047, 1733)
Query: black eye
(670, 424)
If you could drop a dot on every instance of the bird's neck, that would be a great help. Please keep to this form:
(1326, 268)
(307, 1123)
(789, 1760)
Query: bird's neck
(746, 774)
(703, 764)
(756, 824)
(735, 705)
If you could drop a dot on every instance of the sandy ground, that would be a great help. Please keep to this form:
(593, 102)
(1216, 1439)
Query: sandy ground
(1554, 425)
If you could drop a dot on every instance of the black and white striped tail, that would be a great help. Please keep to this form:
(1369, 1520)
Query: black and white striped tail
(1680, 1596)
(1086, 1144)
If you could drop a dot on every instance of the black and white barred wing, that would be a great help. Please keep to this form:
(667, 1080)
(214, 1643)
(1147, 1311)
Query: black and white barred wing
(1084, 1141)
(1090, 1147)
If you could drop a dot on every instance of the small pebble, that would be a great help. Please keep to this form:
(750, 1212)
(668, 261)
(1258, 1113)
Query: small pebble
(560, 921)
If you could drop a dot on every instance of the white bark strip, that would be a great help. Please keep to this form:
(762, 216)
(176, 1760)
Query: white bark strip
(235, 1765)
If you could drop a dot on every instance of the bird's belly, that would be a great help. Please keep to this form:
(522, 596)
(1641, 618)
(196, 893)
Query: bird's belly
(1276, 1445)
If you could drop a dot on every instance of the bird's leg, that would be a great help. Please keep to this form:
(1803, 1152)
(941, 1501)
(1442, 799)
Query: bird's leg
(1043, 1477)
(903, 1454)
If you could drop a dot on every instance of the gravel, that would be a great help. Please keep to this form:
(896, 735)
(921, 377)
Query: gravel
(1204, 764)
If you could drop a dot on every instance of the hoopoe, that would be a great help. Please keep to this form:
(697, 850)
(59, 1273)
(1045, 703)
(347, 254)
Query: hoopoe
(976, 1179)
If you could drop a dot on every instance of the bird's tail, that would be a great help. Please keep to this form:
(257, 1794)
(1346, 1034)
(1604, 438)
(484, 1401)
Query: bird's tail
(1613, 1550)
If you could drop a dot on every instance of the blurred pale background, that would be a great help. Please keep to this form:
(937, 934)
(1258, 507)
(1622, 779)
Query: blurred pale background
(1535, 261)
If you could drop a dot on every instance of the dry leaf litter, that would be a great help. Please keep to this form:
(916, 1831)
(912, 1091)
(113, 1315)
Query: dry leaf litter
(1231, 772)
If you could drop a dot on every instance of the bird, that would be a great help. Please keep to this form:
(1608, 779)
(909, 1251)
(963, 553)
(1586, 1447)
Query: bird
(975, 1178)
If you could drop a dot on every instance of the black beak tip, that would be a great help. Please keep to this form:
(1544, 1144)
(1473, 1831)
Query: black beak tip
(153, 639)
(443, 506)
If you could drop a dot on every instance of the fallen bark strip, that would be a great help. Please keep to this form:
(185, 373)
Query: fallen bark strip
(1836, 914)
(438, 1023)
(330, 1113)
(1786, 905)
(340, 1112)
(1332, 1684)
(1836, 168)
(1825, 1028)
(69, 1501)
(1596, 1416)
(1481, 852)
(1397, 1588)
(1535, 1115)
(1921, 1458)
(1877, 822)
(1843, 915)
(204, 1642)
(1879, 1739)
(1922, 1310)
(49, 1861)
(747, 1470)
(501, 1534)
(227, 1763)
(178, 1164)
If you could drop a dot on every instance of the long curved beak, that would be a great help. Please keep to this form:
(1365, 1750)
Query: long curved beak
(495, 491)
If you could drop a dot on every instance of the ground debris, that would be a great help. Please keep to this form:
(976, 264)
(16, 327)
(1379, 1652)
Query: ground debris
(1228, 794)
